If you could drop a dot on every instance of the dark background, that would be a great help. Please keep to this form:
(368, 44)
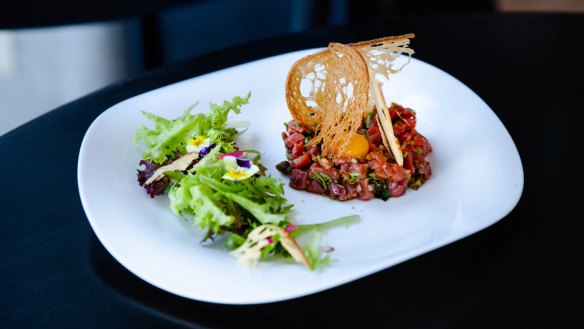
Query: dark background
(162, 32)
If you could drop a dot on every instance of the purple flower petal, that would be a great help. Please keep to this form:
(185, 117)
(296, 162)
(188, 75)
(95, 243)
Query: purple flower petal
(206, 150)
(243, 163)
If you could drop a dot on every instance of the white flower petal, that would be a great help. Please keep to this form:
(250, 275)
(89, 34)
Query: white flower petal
(230, 163)
(252, 170)
(241, 173)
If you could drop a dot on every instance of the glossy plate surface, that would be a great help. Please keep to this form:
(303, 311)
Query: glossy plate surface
(477, 180)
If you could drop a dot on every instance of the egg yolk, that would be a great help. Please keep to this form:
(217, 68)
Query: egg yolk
(358, 147)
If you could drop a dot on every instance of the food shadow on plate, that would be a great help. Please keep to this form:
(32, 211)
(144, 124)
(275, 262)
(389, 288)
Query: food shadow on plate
(461, 272)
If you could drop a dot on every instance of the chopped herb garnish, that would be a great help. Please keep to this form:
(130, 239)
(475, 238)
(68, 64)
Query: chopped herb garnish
(382, 192)
(368, 119)
(322, 178)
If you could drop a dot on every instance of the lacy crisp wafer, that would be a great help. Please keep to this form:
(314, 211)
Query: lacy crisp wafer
(330, 91)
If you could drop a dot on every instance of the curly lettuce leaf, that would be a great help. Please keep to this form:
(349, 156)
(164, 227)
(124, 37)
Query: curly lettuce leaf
(260, 211)
(228, 205)
(209, 208)
(169, 137)
(314, 232)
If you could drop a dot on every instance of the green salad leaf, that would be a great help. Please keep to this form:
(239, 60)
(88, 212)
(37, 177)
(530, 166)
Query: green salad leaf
(325, 226)
(251, 201)
(314, 253)
(170, 137)
(313, 250)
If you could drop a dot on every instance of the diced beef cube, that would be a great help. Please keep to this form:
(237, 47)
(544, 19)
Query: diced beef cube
(397, 188)
(364, 192)
(351, 191)
(302, 161)
(294, 126)
(298, 179)
(294, 138)
(315, 187)
(337, 191)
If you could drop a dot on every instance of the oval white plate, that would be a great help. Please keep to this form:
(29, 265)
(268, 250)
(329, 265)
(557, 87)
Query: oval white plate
(477, 180)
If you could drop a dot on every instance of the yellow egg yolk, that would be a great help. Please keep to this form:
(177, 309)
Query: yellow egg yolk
(358, 147)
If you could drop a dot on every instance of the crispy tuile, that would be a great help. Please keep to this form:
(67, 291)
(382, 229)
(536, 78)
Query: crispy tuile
(344, 100)
(180, 164)
(250, 251)
(329, 91)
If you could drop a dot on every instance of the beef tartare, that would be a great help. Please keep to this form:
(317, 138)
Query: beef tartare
(366, 169)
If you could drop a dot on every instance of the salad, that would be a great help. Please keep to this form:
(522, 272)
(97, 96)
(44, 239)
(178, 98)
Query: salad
(209, 181)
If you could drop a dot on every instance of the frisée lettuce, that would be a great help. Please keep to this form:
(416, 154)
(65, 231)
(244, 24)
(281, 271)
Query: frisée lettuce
(211, 183)
(171, 136)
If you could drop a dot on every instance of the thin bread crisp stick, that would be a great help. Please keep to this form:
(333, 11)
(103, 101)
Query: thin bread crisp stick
(385, 119)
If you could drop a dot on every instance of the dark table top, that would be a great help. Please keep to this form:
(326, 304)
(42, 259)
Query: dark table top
(43, 13)
(524, 271)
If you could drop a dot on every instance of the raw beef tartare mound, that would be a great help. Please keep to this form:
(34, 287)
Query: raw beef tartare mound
(366, 169)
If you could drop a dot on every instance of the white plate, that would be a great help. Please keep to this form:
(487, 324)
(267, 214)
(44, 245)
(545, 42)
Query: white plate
(477, 180)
